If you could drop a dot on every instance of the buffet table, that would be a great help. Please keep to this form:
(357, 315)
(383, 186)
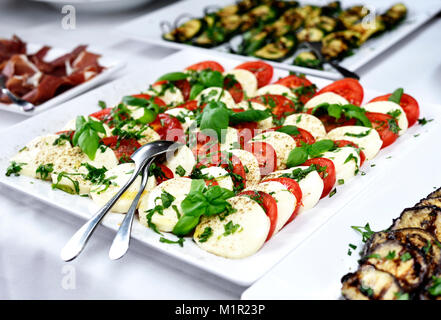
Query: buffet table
(32, 233)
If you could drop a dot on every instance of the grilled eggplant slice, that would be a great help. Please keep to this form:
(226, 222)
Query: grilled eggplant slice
(369, 283)
(430, 202)
(185, 32)
(435, 194)
(405, 262)
(432, 290)
(425, 217)
(279, 49)
(309, 60)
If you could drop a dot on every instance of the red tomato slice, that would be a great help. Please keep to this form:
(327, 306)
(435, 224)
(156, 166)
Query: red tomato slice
(102, 115)
(261, 70)
(344, 143)
(380, 122)
(409, 105)
(332, 123)
(235, 90)
(293, 82)
(191, 105)
(185, 88)
(156, 100)
(70, 133)
(269, 205)
(279, 105)
(294, 188)
(162, 173)
(326, 170)
(123, 148)
(265, 155)
(209, 64)
(348, 88)
(303, 137)
(168, 128)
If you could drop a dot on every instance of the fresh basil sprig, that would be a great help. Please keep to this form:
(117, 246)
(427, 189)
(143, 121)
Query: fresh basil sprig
(251, 115)
(151, 109)
(348, 110)
(201, 200)
(396, 95)
(289, 129)
(173, 76)
(299, 155)
(86, 135)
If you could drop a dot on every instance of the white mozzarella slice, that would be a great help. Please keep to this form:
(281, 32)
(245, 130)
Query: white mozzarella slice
(307, 122)
(276, 89)
(71, 126)
(179, 189)
(182, 158)
(389, 107)
(346, 162)
(221, 176)
(281, 142)
(246, 79)
(326, 97)
(251, 227)
(215, 94)
(185, 117)
(367, 139)
(146, 133)
(286, 201)
(171, 96)
(119, 176)
(263, 124)
(231, 139)
(251, 166)
(311, 186)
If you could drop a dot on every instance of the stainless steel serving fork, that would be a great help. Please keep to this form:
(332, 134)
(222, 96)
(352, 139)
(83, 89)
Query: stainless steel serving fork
(142, 157)
(26, 106)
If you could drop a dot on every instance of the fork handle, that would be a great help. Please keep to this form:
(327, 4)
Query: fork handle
(343, 71)
(76, 244)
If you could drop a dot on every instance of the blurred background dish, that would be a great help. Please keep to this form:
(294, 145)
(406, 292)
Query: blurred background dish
(97, 5)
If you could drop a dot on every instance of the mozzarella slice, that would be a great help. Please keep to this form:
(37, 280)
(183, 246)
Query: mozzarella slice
(367, 139)
(311, 186)
(276, 89)
(307, 122)
(251, 166)
(146, 133)
(119, 176)
(250, 224)
(326, 97)
(215, 94)
(346, 162)
(171, 96)
(220, 175)
(71, 126)
(185, 117)
(246, 79)
(179, 189)
(231, 139)
(389, 107)
(182, 158)
(281, 142)
(263, 124)
(286, 201)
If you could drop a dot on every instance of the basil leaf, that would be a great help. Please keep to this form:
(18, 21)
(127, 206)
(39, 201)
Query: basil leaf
(148, 116)
(210, 78)
(320, 147)
(89, 142)
(135, 102)
(215, 117)
(396, 96)
(185, 224)
(335, 110)
(297, 156)
(97, 126)
(291, 130)
(173, 76)
(248, 116)
(195, 90)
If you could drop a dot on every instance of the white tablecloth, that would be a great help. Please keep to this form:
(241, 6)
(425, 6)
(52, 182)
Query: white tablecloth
(32, 233)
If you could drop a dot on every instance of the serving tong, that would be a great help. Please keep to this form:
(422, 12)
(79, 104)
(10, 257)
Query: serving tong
(143, 158)
(25, 106)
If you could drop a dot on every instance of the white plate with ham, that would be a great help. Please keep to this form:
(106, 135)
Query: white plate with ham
(48, 76)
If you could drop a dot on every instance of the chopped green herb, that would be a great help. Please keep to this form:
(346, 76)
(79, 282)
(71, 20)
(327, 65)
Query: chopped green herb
(365, 231)
(180, 171)
(14, 168)
(424, 121)
(44, 170)
(208, 232)
(405, 256)
(180, 241)
(230, 228)
(332, 193)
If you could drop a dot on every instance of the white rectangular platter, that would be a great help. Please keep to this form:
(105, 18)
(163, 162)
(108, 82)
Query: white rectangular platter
(314, 270)
(111, 65)
(243, 271)
(147, 28)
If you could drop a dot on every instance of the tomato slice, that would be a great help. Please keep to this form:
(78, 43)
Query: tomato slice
(269, 205)
(168, 128)
(161, 172)
(102, 115)
(191, 105)
(208, 64)
(69, 133)
(246, 130)
(265, 155)
(123, 148)
(381, 123)
(409, 105)
(294, 188)
(279, 105)
(261, 70)
(326, 170)
(331, 123)
(156, 100)
(185, 88)
(348, 88)
(234, 89)
(301, 138)
(293, 82)
(344, 143)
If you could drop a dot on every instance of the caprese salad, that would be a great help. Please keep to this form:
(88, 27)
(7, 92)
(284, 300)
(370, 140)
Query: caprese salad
(255, 153)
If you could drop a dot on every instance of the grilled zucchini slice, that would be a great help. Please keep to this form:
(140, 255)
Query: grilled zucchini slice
(324, 23)
(405, 262)
(310, 34)
(394, 15)
(369, 283)
(336, 45)
(309, 60)
(185, 32)
(259, 15)
(370, 30)
(352, 15)
(279, 49)
(331, 9)
(425, 217)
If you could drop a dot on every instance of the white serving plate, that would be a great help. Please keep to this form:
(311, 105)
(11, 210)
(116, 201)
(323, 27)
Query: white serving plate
(314, 270)
(244, 271)
(111, 64)
(146, 28)
(98, 6)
